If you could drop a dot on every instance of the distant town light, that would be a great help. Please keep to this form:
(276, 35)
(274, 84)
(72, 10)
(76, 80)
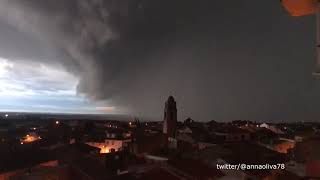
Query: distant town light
(57, 122)
(6, 115)
(30, 138)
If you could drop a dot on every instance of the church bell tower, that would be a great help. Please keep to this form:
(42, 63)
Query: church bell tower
(170, 118)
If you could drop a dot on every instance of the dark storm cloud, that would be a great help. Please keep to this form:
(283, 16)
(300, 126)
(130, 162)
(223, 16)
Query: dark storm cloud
(222, 60)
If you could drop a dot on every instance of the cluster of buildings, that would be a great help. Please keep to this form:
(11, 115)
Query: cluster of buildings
(168, 149)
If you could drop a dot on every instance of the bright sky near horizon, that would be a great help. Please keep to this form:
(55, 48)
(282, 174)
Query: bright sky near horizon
(38, 87)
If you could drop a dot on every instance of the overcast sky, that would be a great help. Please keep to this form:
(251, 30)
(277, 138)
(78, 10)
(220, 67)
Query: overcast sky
(221, 60)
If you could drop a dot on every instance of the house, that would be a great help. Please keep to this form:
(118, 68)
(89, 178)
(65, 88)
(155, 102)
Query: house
(307, 152)
(231, 133)
(117, 162)
(185, 130)
(251, 153)
(148, 143)
(272, 128)
(196, 135)
(264, 136)
(116, 139)
(209, 155)
(84, 148)
(264, 125)
(84, 161)
(283, 145)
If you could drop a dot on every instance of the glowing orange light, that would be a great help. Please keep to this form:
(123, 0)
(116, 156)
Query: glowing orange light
(30, 138)
(300, 7)
(104, 150)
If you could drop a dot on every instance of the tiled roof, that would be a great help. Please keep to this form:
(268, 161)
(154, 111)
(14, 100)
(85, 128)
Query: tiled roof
(23, 158)
(158, 174)
(195, 168)
(84, 148)
(89, 167)
(307, 150)
(147, 144)
(251, 153)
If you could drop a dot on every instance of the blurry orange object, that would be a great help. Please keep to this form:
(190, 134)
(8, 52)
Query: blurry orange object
(300, 7)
